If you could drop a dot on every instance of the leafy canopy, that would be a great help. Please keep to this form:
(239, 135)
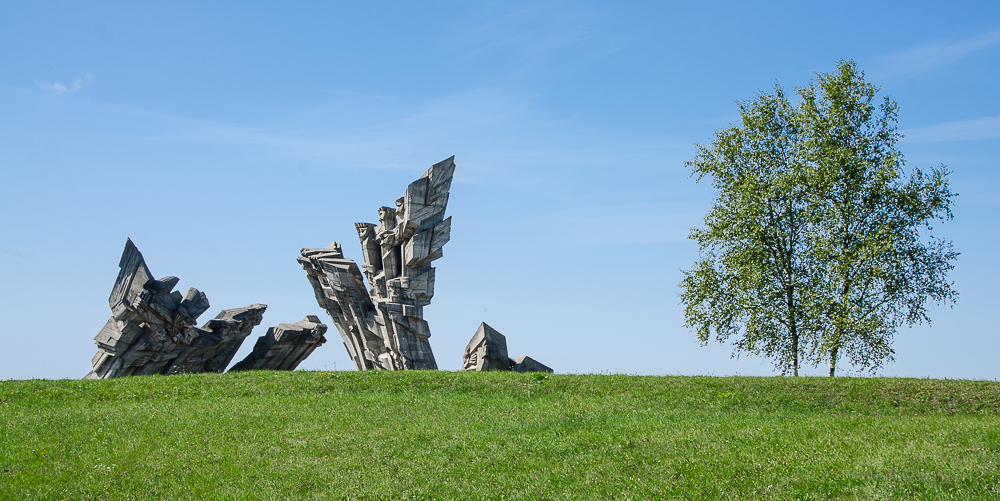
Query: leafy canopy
(816, 246)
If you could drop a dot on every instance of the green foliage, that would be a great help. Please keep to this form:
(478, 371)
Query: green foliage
(870, 223)
(816, 247)
(753, 280)
(443, 435)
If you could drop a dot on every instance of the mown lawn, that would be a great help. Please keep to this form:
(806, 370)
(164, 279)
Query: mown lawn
(446, 435)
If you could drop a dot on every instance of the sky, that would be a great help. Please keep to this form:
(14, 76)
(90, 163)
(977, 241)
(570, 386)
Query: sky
(223, 138)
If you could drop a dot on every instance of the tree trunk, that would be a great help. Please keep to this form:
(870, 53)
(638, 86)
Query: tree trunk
(795, 352)
(793, 329)
(833, 362)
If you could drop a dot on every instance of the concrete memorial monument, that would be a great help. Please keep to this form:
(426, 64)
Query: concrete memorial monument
(487, 351)
(152, 327)
(382, 325)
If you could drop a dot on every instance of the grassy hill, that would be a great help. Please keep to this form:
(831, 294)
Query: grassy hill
(445, 435)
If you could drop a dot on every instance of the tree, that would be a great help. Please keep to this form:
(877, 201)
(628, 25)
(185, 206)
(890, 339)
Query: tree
(873, 229)
(815, 247)
(753, 280)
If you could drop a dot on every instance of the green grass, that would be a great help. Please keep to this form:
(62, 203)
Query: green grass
(445, 435)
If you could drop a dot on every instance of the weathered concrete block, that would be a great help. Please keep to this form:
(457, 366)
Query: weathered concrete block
(528, 364)
(487, 351)
(284, 347)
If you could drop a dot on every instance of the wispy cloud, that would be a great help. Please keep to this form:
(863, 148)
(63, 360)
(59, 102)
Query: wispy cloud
(59, 88)
(544, 36)
(16, 253)
(374, 134)
(959, 130)
(532, 30)
(926, 57)
(502, 131)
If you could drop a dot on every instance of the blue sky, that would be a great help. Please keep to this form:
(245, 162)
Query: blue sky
(223, 138)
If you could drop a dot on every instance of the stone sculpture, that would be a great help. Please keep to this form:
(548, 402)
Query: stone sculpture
(382, 326)
(487, 351)
(528, 364)
(284, 346)
(152, 327)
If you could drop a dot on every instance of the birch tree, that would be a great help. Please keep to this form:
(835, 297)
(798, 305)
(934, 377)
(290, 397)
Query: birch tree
(819, 244)
(873, 224)
(753, 280)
